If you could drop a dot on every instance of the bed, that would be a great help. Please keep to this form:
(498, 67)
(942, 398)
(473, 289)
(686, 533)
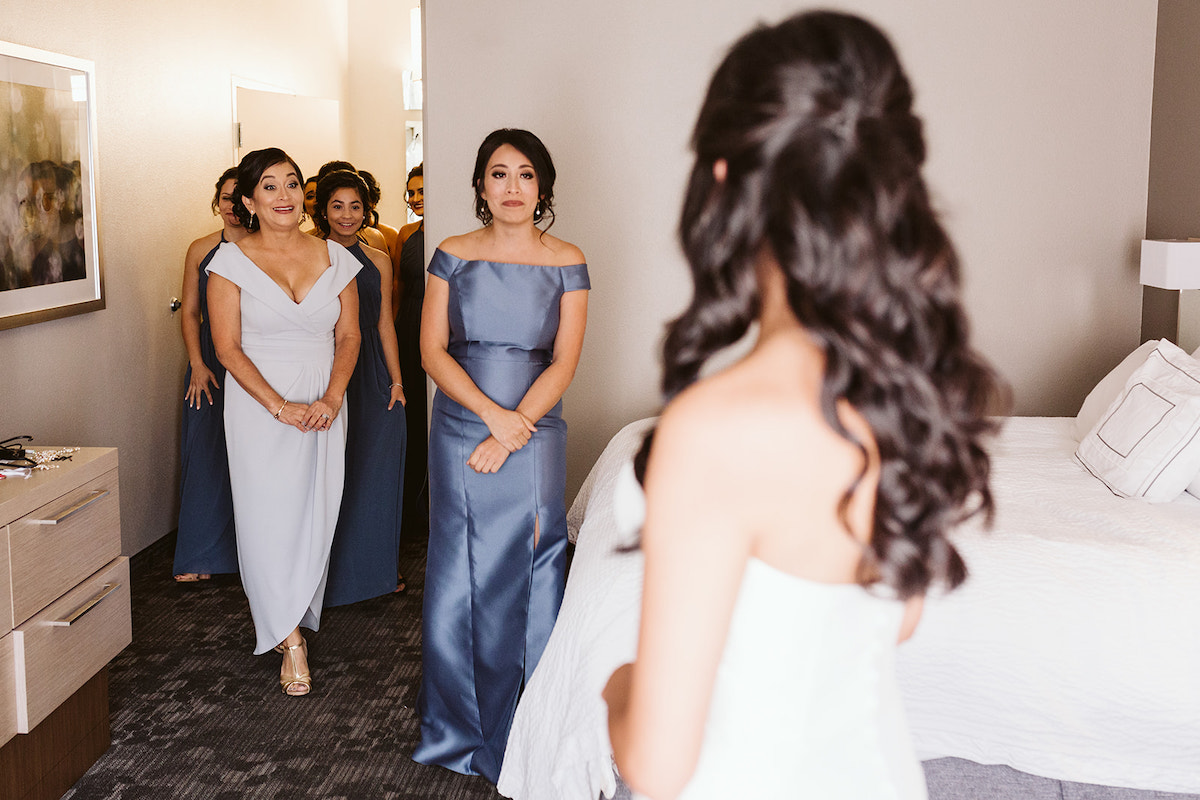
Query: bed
(1071, 656)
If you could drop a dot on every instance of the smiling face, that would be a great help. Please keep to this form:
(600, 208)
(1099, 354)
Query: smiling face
(225, 203)
(510, 186)
(310, 196)
(416, 194)
(278, 197)
(345, 213)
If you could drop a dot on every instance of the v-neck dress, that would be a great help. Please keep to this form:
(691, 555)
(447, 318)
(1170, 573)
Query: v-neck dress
(287, 484)
(491, 596)
(205, 543)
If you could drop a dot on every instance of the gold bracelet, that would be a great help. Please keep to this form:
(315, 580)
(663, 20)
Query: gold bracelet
(280, 411)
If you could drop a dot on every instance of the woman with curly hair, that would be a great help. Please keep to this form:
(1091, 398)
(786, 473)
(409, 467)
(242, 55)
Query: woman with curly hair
(797, 503)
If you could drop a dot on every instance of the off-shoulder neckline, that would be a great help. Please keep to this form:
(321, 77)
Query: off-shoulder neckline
(508, 263)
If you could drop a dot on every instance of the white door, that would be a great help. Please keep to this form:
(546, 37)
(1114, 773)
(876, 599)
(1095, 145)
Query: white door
(307, 128)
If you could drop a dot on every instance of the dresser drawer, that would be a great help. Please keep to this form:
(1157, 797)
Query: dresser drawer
(59, 544)
(8, 690)
(58, 650)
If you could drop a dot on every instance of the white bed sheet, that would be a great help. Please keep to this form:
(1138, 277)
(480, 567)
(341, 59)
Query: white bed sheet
(1072, 652)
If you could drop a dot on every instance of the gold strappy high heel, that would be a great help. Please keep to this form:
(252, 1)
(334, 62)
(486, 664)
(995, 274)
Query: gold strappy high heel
(297, 684)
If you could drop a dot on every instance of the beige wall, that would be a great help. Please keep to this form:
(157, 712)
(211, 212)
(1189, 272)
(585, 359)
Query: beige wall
(1039, 140)
(1038, 119)
(381, 50)
(163, 93)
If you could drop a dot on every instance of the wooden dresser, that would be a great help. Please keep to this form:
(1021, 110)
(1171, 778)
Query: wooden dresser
(64, 614)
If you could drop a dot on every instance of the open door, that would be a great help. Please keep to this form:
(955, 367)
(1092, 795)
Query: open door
(307, 128)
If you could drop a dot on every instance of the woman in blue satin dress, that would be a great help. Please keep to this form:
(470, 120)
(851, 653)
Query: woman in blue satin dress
(366, 544)
(501, 332)
(206, 543)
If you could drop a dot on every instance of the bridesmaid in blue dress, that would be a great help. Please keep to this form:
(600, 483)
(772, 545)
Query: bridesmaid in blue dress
(408, 270)
(206, 542)
(501, 332)
(366, 543)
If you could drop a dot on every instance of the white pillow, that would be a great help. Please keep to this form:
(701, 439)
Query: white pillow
(1147, 444)
(1194, 487)
(1108, 389)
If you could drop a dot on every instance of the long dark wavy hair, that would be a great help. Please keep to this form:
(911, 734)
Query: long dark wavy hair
(249, 171)
(814, 119)
(326, 186)
(532, 148)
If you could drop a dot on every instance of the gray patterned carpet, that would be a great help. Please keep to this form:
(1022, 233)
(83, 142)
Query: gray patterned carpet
(195, 715)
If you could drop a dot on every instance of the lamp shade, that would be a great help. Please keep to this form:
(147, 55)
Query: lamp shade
(1171, 263)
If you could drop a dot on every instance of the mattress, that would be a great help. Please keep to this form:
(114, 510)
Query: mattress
(1073, 650)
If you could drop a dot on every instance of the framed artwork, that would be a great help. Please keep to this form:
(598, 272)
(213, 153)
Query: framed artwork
(49, 251)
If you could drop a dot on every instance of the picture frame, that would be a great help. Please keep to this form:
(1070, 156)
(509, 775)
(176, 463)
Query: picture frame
(49, 242)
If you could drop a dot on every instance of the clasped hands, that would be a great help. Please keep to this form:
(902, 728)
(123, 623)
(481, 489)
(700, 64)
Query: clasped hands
(317, 416)
(510, 432)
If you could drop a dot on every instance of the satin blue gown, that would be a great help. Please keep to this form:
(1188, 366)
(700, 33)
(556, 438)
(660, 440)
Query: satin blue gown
(491, 598)
(366, 543)
(207, 543)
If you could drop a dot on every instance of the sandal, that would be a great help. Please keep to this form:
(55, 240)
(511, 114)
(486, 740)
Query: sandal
(191, 577)
(298, 683)
(401, 586)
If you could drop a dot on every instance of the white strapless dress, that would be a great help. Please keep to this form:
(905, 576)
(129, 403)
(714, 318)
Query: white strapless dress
(805, 703)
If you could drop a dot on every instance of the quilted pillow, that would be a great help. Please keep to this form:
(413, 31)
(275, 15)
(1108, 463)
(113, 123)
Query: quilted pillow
(1147, 443)
(1108, 389)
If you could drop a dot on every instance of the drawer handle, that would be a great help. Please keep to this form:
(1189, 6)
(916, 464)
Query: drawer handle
(87, 606)
(92, 497)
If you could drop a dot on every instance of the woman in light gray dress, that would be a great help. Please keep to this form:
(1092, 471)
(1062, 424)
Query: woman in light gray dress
(284, 310)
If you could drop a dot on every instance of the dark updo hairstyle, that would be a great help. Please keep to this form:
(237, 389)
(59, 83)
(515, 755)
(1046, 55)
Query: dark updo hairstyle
(229, 174)
(814, 120)
(249, 172)
(334, 166)
(532, 148)
(338, 179)
(374, 195)
(417, 171)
